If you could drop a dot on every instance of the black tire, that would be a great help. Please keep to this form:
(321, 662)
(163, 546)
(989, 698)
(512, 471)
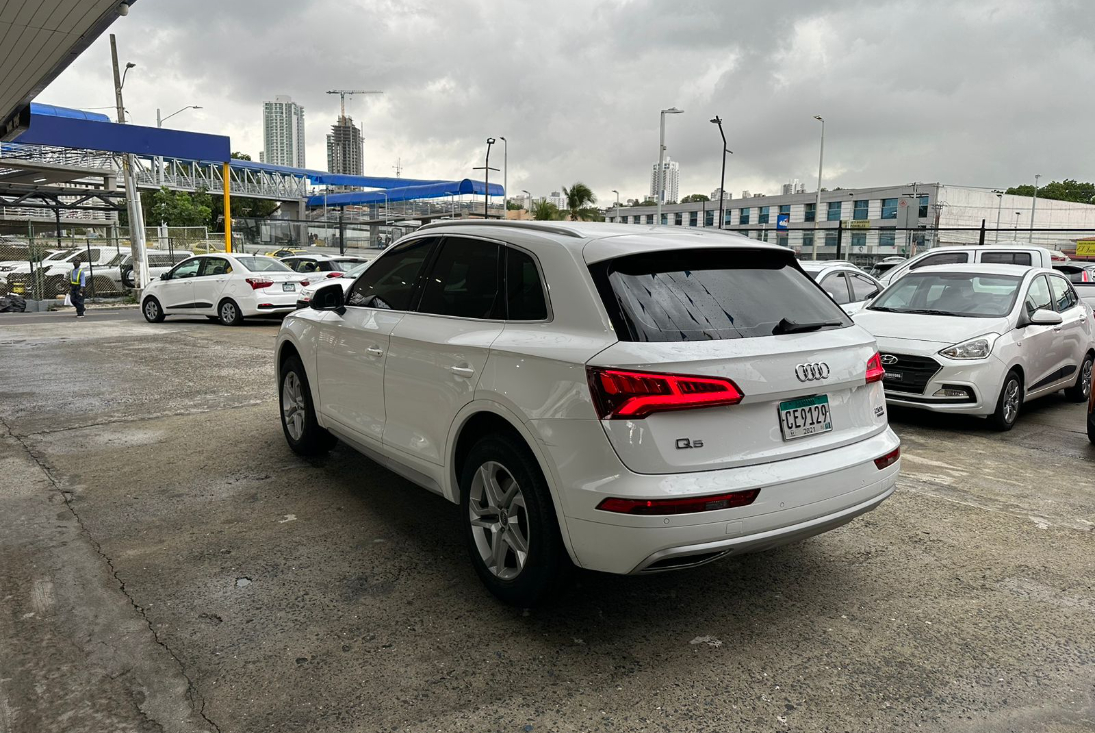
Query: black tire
(298, 414)
(228, 313)
(1011, 394)
(152, 310)
(1091, 426)
(1080, 391)
(547, 566)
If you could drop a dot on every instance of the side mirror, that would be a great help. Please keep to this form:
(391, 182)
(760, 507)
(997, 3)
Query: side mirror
(165, 276)
(328, 298)
(1045, 317)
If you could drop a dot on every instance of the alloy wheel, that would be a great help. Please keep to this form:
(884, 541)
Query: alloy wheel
(292, 405)
(499, 520)
(151, 310)
(1011, 400)
(228, 312)
(1085, 378)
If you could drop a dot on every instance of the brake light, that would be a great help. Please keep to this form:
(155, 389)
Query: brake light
(889, 459)
(258, 283)
(334, 274)
(690, 505)
(304, 283)
(875, 370)
(622, 395)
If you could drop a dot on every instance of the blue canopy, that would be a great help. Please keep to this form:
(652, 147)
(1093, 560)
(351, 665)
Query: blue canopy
(429, 190)
(324, 178)
(53, 110)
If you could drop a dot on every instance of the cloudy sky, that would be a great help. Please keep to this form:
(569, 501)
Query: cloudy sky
(983, 93)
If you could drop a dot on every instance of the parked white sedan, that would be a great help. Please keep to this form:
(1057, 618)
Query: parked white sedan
(845, 283)
(223, 287)
(981, 339)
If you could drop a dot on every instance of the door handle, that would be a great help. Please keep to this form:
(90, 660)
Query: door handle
(462, 371)
(375, 351)
(1057, 329)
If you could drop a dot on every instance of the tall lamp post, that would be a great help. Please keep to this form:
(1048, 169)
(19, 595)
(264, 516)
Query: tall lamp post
(486, 178)
(817, 201)
(1017, 215)
(722, 180)
(159, 161)
(661, 158)
(1033, 206)
(617, 205)
(505, 171)
(129, 167)
(999, 209)
(529, 195)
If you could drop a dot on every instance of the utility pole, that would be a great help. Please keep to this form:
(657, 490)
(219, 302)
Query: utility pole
(660, 189)
(722, 180)
(820, 166)
(129, 166)
(617, 205)
(999, 209)
(505, 175)
(1033, 206)
(486, 179)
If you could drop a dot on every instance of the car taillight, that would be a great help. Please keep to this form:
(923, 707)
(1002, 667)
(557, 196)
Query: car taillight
(688, 505)
(875, 370)
(334, 274)
(888, 460)
(304, 283)
(257, 283)
(621, 395)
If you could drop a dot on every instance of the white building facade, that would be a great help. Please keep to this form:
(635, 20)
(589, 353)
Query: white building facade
(882, 221)
(672, 180)
(283, 132)
(558, 199)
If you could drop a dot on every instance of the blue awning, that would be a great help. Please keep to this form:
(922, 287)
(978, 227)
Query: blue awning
(53, 110)
(323, 178)
(432, 190)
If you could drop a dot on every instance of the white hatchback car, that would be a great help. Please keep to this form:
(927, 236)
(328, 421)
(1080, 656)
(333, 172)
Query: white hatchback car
(224, 287)
(981, 339)
(845, 283)
(626, 399)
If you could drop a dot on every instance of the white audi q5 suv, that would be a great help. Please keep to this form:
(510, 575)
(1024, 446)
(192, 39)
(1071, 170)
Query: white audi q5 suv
(624, 399)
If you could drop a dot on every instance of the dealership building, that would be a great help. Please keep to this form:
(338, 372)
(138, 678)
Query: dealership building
(880, 221)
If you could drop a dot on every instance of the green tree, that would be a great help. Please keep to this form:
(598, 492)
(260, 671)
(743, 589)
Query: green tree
(512, 205)
(579, 197)
(1066, 190)
(544, 210)
(695, 198)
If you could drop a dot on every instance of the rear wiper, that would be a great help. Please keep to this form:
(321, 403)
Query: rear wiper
(786, 326)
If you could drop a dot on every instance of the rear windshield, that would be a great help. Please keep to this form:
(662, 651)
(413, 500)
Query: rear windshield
(344, 265)
(262, 264)
(702, 295)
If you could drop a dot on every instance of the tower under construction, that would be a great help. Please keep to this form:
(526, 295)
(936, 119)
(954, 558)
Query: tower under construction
(345, 148)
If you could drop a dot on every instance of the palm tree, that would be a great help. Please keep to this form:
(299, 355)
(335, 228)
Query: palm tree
(578, 199)
(544, 210)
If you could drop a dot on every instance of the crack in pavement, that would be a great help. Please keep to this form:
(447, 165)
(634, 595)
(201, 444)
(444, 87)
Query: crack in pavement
(196, 699)
(132, 418)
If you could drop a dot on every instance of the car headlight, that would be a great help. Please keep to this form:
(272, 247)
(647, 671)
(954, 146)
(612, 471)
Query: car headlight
(975, 348)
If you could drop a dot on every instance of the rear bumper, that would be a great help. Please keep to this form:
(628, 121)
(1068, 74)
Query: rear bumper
(798, 498)
(262, 303)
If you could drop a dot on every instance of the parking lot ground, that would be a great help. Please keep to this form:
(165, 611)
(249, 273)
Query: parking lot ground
(166, 563)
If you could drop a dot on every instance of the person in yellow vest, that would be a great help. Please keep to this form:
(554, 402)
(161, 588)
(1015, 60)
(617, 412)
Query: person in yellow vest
(77, 281)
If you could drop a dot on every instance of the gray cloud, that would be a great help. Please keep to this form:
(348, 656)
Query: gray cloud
(977, 92)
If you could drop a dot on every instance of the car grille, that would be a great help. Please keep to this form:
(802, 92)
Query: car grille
(915, 373)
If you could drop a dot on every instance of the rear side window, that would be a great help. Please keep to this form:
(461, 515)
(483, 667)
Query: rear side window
(524, 291)
(1006, 258)
(463, 281)
(391, 280)
(862, 288)
(943, 258)
(709, 294)
(837, 287)
(1064, 297)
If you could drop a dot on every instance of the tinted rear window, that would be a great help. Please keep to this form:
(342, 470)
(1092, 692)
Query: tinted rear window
(262, 264)
(1006, 258)
(701, 295)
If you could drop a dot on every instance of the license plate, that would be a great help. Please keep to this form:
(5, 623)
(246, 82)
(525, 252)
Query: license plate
(893, 376)
(805, 416)
(289, 287)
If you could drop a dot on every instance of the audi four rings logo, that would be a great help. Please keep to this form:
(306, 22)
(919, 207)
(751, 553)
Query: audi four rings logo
(889, 359)
(812, 372)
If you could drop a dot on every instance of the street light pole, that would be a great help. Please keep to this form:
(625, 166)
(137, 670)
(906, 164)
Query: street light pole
(159, 161)
(529, 195)
(661, 157)
(617, 205)
(1017, 215)
(1033, 206)
(505, 172)
(486, 178)
(722, 180)
(129, 164)
(820, 166)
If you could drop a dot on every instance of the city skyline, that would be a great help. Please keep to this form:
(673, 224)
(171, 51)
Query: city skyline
(982, 94)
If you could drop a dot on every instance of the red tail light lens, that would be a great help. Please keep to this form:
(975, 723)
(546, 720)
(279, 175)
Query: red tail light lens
(334, 274)
(258, 283)
(888, 460)
(620, 395)
(875, 371)
(690, 505)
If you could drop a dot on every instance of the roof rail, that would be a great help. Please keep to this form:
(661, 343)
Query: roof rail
(533, 225)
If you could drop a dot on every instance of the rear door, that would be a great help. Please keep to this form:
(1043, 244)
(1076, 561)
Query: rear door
(1041, 344)
(1074, 330)
(748, 316)
(437, 353)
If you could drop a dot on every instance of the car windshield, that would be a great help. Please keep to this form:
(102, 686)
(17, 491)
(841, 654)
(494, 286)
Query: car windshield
(262, 264)
(345, 265)
(60, 255)
(711, 294)
(964, 294)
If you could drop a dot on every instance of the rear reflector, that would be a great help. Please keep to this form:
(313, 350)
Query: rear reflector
(888, 460)
(875, 370)
(258, 283)
(620, 395)
(688, 505)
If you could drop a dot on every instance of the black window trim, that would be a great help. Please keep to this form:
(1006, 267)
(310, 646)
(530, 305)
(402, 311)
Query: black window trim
(416, 291)
(838, 272)
(171, 272)
(1076, 300)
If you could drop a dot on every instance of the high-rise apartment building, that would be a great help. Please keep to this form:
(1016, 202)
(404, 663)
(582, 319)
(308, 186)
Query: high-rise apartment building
(558, 199)
(672, 179)
(345, 148)
(283, 132)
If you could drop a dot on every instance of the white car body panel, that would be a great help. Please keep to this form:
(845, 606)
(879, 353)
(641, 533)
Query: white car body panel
(405, 406)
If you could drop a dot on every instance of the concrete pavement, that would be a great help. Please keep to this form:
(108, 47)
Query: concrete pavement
(166, 563)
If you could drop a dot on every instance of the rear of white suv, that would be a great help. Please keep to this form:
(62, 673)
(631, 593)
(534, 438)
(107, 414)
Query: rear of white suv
(627, 401)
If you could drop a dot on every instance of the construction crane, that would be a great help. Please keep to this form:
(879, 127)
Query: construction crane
(342, 96)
